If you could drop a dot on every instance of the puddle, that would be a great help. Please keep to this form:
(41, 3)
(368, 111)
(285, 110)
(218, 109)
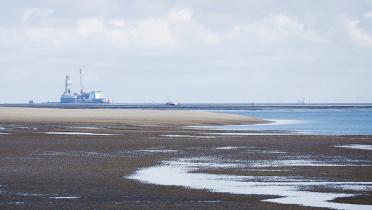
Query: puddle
(266, 170)
(305, 163)
(86, 127)
(264, 151)
(24, 128)
(202, 162)
(15, 203)
(272, 152)
(357, 188)
(65, 197)
(251, 134)
(73, 154)
(229, 148)
(208, 162)
(16, 127)
(4, 133)
(29, 194)
(79, 133)
(178, 173)
(356, 146)
(250, 150)
(217, 201)
(158, 150)
(189, 136)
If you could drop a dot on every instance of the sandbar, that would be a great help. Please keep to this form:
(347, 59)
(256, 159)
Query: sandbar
(135, 117)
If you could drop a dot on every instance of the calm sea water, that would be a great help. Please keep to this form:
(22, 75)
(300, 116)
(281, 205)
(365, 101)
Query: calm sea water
(329, 121)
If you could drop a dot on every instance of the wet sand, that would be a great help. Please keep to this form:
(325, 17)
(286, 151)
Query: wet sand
(64, 170)
(121, 116)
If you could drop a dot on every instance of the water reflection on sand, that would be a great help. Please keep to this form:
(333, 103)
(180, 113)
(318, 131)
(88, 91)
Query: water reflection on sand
(181, 172)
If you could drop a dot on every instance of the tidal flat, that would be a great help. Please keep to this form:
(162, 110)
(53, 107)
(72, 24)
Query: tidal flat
(147, 167)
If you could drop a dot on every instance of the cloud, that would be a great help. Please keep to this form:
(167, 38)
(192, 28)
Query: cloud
(118, 22)
(180, 15)
(205, 48)
(279, 28)
(28, 14)
(176, 28)
(116, 32)
(357, 33)
(368, 15)
(90, 26)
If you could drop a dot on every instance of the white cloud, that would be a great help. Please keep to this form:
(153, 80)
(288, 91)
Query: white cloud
(279, 28)
(180, 15)
(118, 22)
(29, 13)
(248, 45)
(175, 29)
(171, 30)
(368, 15)
(152, 32)
(90, 26)
(357, 33)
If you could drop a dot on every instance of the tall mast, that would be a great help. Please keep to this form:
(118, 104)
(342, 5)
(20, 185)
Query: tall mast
(81, 82)
(68, 84)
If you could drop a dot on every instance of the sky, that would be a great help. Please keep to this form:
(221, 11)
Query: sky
(222, 51)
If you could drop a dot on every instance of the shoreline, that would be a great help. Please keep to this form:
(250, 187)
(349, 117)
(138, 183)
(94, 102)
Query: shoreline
(134, 117)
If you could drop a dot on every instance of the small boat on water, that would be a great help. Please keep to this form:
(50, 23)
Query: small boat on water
(170, 103)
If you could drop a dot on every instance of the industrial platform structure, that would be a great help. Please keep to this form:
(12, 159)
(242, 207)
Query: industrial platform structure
(83, 97)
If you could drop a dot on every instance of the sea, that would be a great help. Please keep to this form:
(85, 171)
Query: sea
(322, 119)
(350, 120)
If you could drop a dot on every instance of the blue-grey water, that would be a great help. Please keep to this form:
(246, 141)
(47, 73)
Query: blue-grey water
(328, 121)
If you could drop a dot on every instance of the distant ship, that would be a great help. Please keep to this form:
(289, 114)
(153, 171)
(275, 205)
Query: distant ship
(84, 97)
(170, 103)
(302, 101)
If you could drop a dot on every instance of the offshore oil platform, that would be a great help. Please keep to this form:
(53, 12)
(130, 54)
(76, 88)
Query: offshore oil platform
(84, 97)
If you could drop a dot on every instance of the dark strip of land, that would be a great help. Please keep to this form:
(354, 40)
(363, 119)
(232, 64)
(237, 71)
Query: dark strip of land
(43, 171)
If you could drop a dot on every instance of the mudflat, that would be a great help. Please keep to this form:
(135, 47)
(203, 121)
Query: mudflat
(121, 116)
(88, 166)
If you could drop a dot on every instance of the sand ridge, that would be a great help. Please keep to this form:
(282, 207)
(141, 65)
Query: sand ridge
(122, 116)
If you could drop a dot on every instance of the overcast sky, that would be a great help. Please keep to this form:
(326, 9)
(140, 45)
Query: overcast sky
(188, 51)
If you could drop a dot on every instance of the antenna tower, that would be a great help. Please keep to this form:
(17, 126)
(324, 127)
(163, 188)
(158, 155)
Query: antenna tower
(81, 82)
